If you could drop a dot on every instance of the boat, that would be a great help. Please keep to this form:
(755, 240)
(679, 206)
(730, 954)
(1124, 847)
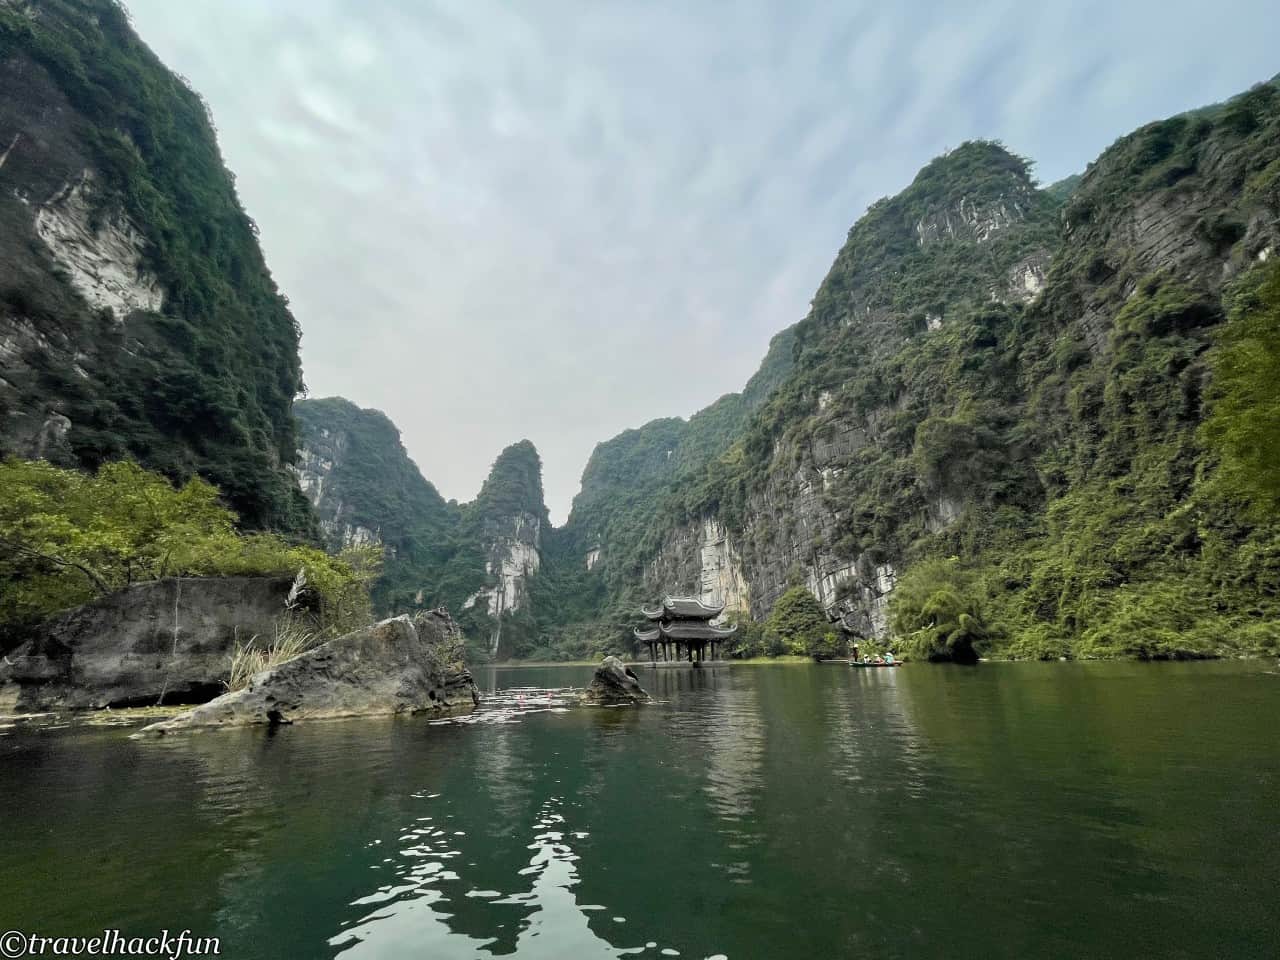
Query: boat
(864, 663)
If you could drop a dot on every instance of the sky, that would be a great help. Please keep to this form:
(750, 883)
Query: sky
(556, 220)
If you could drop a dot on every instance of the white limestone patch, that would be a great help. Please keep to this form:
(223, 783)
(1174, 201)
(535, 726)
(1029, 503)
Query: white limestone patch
(721, 578)
(519, 561)
(593, 558)
(9, 149)
(104, 265)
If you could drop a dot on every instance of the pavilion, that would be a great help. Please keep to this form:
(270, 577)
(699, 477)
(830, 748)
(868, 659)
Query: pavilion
(681, 630)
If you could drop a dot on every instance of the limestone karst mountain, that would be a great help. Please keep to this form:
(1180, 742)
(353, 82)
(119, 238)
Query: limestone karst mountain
(995, 402)
(997, 377)
(137, 316)
(477, 558)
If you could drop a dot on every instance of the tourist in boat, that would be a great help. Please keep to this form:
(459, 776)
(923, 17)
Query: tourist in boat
(888, 657)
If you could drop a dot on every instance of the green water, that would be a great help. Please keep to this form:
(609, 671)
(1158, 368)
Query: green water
(1060, 810)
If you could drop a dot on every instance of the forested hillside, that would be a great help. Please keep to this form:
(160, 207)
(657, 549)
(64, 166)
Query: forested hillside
(995, 412)
(137, 317)
(1016, 422)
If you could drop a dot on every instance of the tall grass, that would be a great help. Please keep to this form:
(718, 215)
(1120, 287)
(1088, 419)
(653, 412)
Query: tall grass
(290, 639)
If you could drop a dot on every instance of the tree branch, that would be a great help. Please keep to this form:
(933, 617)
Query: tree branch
(99, 584)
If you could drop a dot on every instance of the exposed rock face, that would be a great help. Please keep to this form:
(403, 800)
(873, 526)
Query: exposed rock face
(167, 641)
(322, 451)
(134, 300)
(1025, 280)
(700, 559)
(513, 558)
(401, 665)
(974, 219)
(614, 683)
(102, 260)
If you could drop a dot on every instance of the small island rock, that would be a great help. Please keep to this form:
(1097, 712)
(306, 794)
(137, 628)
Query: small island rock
(614, 683)
(401, 665)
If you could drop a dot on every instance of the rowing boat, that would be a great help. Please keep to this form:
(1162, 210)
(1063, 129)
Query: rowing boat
(863, 663)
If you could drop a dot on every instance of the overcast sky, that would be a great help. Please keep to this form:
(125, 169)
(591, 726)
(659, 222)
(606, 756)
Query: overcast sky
(509, 220)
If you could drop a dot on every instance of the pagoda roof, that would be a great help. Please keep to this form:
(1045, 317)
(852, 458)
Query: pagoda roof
(683, 608)
(684, 631)
(696, 631)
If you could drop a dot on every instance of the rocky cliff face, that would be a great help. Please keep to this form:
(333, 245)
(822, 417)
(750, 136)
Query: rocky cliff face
(365, 491)
(507, 521)
(966, 367)
(477, 559)
(137, 317)
(163, 642)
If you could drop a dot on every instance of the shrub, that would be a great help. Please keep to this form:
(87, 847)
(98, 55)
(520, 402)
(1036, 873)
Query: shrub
(799, 621)
(936, 612)
(67, 537)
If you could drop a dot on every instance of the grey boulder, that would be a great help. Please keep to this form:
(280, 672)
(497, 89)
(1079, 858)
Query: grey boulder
(398, 666)
(164, 641)
(614, 683)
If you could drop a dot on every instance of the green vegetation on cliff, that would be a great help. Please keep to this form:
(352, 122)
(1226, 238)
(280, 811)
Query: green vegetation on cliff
(1028, 403)
(205, 385)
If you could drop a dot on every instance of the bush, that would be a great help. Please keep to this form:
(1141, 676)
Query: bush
(800, 623)
(67, 537)
(936, 612)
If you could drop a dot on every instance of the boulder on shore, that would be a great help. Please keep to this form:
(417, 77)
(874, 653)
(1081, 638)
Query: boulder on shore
(614, 683)
(401, 665)
(164, 641)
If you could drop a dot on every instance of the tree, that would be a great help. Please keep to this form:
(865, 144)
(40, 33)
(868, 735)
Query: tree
(799, 620)
(67, 537)
(935, 612)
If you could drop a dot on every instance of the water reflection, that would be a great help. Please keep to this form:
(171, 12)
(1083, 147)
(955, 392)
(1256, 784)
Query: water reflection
(416, 912)
(806, 811)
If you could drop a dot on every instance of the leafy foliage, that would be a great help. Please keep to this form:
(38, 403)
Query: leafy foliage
(205, 387)
(68, 536)
(799, 621)
(1243, 427)
(937, 613)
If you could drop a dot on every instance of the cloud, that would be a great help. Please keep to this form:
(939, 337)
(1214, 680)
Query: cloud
(557, 220)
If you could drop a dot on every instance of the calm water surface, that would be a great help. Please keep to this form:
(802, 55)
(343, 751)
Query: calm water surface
(1061, 810)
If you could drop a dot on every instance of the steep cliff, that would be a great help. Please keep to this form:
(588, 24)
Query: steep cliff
(364, 489)
(137, 317)
(507, 520)
(1008, 376)
(477, 559)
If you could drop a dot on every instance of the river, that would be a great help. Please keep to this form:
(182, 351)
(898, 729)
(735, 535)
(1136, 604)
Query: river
(755, 811)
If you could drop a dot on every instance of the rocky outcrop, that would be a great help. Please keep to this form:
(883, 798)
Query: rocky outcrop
(322, 451)
(102, 256)
(163, 642)
(399, 666)
(613, 684)
(700, 560)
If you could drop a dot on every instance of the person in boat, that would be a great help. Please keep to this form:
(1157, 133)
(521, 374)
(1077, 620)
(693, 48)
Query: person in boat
(888, 657)
(856, 658)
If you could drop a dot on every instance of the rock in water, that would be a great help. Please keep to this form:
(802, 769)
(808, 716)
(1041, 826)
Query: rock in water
(400, 665)
(614, 683)
(165, 641)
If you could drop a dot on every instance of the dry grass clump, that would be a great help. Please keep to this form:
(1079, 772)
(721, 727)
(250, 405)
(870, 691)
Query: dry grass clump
(292, 637)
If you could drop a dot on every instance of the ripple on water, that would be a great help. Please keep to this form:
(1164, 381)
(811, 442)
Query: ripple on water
(417, 912)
